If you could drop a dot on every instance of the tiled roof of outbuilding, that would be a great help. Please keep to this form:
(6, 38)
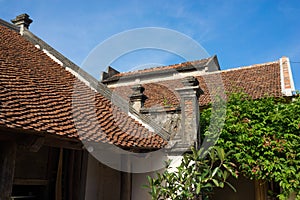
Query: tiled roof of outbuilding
(38, 94)
(258, 81)
(185, 66)
(175, 67)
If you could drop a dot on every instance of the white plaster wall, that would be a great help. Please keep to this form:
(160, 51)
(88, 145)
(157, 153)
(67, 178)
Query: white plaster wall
(175, 162)
(138, 180)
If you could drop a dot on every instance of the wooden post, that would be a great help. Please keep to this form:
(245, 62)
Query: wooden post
(70, 171)
(58, 185)
(79, 175)
(8, 151)
(260, 190)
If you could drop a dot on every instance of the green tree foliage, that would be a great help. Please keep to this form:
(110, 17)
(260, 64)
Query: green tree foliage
(198, 173)
(264, 136)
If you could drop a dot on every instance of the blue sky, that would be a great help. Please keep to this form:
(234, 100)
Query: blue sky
(240, 33)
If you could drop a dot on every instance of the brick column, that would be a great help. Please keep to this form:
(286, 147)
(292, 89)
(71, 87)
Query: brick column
(23, 21)
(189, 102)
(137, 99)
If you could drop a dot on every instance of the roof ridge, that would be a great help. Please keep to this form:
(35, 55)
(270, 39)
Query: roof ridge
(162, 67)
(9, 25)
(257, 80)
(241, 67)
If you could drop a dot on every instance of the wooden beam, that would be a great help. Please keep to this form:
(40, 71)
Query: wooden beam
(8, 151)
(52, 140)
(19, 181)
(62, 143)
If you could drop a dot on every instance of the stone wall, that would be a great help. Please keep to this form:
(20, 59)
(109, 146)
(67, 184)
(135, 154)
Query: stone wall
(168, 119)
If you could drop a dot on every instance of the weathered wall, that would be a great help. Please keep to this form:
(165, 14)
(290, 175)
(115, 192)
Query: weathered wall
(138, 192)
(169, 120)
(102, 183)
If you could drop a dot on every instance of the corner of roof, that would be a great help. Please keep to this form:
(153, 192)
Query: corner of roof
(286, 77)
(110, 72)
(212, 64)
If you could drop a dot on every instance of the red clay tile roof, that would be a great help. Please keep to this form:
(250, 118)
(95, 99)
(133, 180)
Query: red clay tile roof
(38, 94)
(258, 81)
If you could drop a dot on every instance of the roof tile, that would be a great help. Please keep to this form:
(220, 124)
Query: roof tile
(258, 81)
(38, 94)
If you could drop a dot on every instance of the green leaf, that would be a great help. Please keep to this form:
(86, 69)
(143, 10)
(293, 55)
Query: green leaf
(215, 182)
(198, 189)
(149, 180)
(215, 171)
(225, 175)
(260, 139)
